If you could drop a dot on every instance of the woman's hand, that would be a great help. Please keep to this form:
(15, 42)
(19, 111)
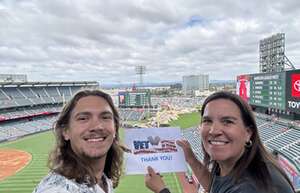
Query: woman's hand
(199, 170)
(189, 155)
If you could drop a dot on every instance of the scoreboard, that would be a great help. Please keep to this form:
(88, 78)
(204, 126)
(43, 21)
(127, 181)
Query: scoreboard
(273, 90)
(268, 90)
(135, 98)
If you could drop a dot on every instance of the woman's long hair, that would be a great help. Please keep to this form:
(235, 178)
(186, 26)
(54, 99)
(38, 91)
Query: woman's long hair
(255, 158)
(64, 161)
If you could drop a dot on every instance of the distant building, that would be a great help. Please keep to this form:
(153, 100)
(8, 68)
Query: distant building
(13, 78)
(193, 83)
(176, 86)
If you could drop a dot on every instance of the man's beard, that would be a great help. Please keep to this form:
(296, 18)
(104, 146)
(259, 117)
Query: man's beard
(86, 156)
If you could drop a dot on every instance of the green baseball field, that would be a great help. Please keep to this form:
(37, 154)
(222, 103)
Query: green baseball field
(39, 145)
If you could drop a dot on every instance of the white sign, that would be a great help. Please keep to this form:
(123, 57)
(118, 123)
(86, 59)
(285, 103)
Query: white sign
(155, 147)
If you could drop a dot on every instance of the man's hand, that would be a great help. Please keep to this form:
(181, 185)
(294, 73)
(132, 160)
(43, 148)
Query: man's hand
(154, 181)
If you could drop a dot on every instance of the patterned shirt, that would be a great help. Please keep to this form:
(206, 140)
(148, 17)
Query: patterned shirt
(56, 183)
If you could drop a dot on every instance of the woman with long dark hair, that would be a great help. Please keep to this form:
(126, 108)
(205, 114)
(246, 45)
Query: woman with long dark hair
(235, 160)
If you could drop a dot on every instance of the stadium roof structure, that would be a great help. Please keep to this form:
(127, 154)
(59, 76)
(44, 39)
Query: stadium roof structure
(38, 84)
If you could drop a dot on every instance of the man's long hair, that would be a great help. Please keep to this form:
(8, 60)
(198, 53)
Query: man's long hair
(255, 159)
(63, 159)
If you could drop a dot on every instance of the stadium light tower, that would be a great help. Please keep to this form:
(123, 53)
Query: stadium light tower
(271, 54)
(140, 70)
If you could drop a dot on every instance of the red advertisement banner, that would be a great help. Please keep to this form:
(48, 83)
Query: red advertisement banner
(295, 84)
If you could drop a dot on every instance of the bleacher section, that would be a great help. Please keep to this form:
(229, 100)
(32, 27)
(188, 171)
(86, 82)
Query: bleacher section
(13, 130)
(12, 114)
(177, 102)
(30, 107)
(29, 96)
(131, 115)
(17, 129)
(194, 138)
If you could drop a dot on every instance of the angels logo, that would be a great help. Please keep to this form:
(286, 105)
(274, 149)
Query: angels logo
(295, 84)
(243, 87)
(154, 145)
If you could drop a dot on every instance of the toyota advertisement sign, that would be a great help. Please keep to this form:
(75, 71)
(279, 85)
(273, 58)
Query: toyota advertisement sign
(293, 91)
(295, 85)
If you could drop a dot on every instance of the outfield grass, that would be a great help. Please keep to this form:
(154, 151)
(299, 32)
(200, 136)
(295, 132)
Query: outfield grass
(187, 120)
(39, 146)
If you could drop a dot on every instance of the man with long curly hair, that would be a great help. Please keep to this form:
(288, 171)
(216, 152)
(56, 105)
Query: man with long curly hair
(88, 156)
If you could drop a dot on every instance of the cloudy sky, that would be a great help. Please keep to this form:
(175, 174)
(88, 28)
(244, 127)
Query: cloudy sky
(103, 40)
